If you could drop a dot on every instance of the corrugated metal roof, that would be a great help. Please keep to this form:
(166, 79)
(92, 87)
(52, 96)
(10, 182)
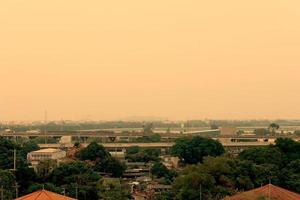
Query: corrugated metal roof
(44, 195)
(272, 191)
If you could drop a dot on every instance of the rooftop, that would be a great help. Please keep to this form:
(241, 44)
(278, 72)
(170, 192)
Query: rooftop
(48, 150)
(272, 191)
(44, 195)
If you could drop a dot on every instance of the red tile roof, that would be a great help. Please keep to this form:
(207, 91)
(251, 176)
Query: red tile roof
(44, 195)
(275, 193)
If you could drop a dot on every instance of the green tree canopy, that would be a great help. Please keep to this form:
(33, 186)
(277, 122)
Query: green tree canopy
(159, 170)
(93, 152)
(8, 182)
(45, 167)
(218, 177)
(76, 176)
(143, 155)
(111, 165)
(114, 190)
(273, 127)
(192, 150)
(289, 148)
(262, 155)
(291, 176)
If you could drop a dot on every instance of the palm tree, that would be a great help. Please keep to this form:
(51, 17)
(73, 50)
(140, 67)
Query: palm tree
(273, 127)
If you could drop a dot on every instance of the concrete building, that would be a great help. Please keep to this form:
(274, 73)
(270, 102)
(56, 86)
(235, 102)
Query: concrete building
(35, 157)
(228, 130)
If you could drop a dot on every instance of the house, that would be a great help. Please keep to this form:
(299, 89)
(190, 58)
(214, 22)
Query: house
(44, 195)
(267, 192)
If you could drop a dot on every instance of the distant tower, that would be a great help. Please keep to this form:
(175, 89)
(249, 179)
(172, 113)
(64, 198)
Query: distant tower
(182, 128)
(45, 124)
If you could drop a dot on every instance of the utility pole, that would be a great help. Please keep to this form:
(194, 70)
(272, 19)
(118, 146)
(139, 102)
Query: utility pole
(17, 191)
(64, 191)
(15, 159)
(76, 192)
(200, 191)
(2, 194)
(15, 154)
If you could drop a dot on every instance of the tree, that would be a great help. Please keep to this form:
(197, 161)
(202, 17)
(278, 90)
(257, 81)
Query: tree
(193, 150)
(24, 175)
(8, 182)
(143, 155)
(187, 185)
(289, 148)
(133, 150)
(47, 186)
(273, 127)
(153, 137)
(240, 132)
(93, 152)
(45, 167)
(297, 132)
(291, 176)
(29, 146)
(165, 195)
(114, 190)
(7, 152)
(218, 177)
(76, 176)
(262, 155)
(159, 170)
(111, 165)
(148, 129)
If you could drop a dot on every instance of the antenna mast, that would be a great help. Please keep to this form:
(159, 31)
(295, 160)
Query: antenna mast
(45, 124)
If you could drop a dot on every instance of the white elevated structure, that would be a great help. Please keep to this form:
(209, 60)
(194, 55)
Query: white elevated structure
(35, 157)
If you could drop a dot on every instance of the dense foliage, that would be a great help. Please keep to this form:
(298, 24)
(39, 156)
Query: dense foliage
(136, 154)
(222, 176)
(193, 149)
(93, 152)
(76, 177)
(161, 171)
(206, 168)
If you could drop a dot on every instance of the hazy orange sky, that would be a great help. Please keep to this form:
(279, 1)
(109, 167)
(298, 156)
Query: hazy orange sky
(176, 59)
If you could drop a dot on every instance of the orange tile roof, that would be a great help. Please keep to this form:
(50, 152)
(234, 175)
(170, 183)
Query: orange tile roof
(44, 195)
(276, 193)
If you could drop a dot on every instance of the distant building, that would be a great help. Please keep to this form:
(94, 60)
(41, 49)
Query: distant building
(35, 157)
(118, 154)
(170, 161)
(228, 130)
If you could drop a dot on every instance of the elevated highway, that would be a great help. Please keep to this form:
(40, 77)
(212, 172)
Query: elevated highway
(158, 145)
